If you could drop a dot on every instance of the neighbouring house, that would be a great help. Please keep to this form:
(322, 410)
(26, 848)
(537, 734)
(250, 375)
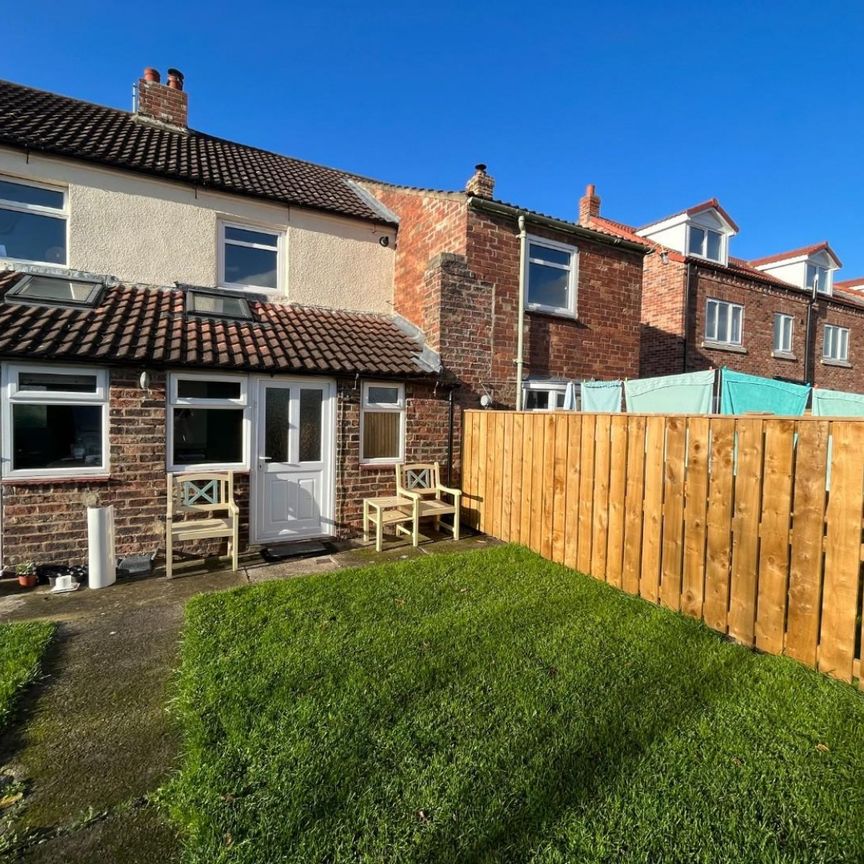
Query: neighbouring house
(460, 261)
(782, 316)
(172, 301)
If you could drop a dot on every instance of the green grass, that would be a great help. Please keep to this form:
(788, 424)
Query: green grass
(494, 707)
(21, 649)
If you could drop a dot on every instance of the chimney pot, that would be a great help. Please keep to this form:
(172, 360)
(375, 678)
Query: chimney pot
(481, 185)
(151, 74)
(175, 79)
(589, 205)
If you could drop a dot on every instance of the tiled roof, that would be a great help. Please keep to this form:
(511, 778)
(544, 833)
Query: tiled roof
(48, 123)
(710, 204)
(850, 284)
(149, 326)
(797, 253)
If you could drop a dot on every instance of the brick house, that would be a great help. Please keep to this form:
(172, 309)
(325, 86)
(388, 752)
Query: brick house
(171, 301)
(782, 316)
(457, 278)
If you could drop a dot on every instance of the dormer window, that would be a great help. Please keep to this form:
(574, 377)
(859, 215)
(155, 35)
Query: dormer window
(705, 243)
(817, 279)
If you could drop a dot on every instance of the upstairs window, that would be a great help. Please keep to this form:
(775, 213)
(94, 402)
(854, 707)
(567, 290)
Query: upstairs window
(783, 333)
(249, 258)
(54, 421)
(723, 322)
(32, 222)
(705, 243)
(544, 396)
(551, 277)
(835, 343)
(817, 278)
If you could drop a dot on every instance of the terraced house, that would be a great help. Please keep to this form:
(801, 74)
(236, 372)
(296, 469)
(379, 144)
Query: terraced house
(781, 316)
(171, 301)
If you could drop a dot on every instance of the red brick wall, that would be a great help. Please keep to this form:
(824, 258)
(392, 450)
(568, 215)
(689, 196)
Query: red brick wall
(662, 330)
(429, 223)
(426, 429)
(761, 301)
(47, 521)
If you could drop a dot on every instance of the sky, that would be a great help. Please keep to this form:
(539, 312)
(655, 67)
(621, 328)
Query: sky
(661, 105)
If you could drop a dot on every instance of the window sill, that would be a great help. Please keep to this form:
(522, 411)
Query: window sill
(783, 355)
(552, 313)
(377, 466)
(843, 364)
(724, 346)
(56, 481)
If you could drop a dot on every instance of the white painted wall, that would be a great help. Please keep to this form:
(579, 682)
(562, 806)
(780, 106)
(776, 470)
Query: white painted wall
(155, 232)
(671, 236)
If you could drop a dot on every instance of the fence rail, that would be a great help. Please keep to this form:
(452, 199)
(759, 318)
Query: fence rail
(727, 519)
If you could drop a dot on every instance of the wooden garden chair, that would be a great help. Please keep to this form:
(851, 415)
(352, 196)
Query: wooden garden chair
(204, 503)
(421, 482)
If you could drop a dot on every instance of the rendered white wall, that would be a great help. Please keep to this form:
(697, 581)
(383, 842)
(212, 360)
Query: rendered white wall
(158, 233)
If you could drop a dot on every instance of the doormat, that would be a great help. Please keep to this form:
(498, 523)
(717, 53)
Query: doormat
(283, 551)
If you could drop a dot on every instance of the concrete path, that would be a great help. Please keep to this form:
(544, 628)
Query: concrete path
(93, 739)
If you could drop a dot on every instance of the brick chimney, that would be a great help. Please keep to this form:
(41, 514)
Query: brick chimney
(589, 205)
(480, 184)
(164, 103)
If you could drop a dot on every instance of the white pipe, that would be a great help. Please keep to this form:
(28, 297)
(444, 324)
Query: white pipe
(520, 315)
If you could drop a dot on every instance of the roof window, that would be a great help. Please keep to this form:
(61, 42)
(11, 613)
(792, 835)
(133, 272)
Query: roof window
(58, 290)
(216, 305)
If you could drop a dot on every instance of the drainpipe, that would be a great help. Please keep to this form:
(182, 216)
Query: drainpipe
(808, 339)
(520, 315)
(687, 292)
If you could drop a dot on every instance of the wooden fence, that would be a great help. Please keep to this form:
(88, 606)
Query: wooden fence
(726, 519)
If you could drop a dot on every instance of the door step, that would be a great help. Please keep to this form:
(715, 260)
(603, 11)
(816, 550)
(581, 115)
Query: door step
(284, 551)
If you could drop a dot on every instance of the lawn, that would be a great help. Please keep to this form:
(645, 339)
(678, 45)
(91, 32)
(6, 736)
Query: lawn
(21, 649)
(495, 707)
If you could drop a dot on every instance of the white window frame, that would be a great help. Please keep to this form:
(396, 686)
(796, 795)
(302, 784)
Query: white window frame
(716, 340)
(781, 348)
(570, 310)
(174, 401)
(703, 253)
(839, 339)
(39, 210)
(379, 408)
(12, 395)
(818, 269)
(550, 387)
(278, 233)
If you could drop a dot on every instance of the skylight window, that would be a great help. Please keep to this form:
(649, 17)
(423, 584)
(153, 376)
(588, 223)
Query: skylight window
(53, 289)
(218, 306)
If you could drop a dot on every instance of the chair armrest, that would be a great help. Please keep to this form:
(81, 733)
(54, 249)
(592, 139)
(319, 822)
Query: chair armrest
(233, 508)
(404, 493)
(454, 492)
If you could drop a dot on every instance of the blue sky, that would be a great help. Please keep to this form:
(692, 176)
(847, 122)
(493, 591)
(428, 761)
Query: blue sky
(662, 105)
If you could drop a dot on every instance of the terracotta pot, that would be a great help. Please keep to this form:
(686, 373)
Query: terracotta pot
(27, 580)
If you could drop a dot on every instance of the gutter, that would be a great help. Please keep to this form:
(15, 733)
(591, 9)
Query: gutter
(496, 207)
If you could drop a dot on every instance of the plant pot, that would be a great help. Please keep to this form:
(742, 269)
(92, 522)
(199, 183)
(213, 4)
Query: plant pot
(27, 580)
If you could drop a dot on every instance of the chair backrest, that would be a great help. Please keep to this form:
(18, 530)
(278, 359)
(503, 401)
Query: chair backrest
(420, 477)
(200, 492)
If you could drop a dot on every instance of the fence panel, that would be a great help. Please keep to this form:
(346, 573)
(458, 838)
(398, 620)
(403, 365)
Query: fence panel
(728, 519)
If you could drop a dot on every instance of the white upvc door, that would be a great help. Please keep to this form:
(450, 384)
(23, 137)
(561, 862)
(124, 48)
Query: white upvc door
(294, 460)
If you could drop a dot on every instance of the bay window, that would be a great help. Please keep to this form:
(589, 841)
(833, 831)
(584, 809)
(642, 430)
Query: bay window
(208, 422)
(54, 421)
(382, 423)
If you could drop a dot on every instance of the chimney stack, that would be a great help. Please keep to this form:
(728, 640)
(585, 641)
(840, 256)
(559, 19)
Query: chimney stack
(481, 184)
(163, 103)
(589, 205)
